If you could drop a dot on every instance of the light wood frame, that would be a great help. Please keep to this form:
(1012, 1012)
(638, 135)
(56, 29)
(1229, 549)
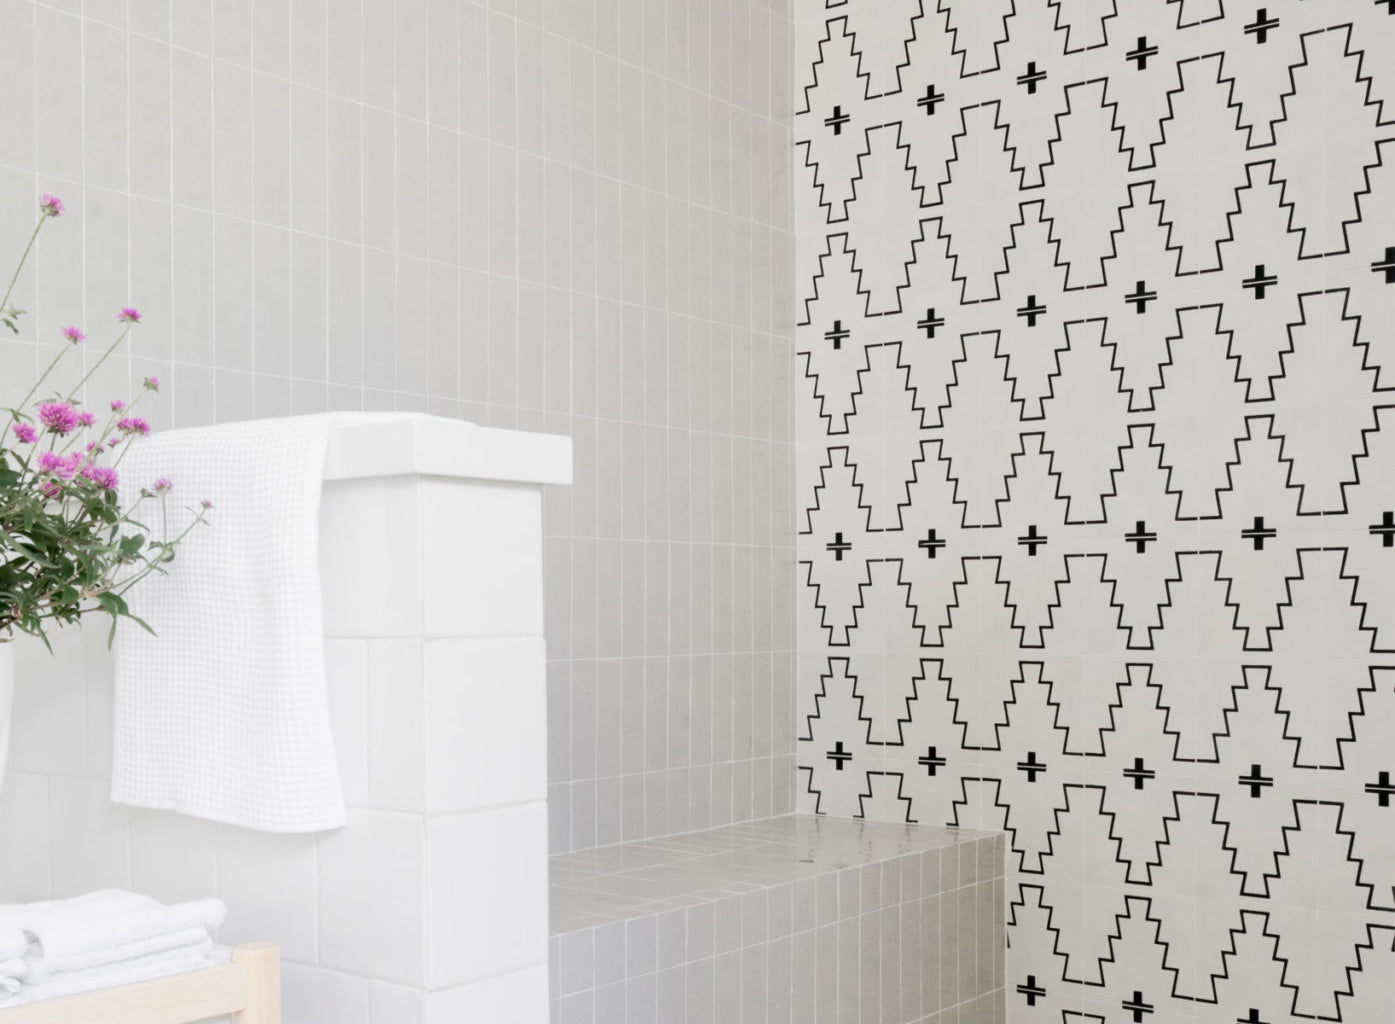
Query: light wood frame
(249, 989)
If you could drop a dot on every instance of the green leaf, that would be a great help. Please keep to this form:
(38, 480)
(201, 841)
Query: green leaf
(115, 604)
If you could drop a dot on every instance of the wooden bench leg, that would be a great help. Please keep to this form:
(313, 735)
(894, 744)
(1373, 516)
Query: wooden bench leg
(262, 962)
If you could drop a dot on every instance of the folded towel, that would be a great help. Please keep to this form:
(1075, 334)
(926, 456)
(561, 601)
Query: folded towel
(106, 928)
(224, 715)
(12, 941)
(135, 950)
(158, 965)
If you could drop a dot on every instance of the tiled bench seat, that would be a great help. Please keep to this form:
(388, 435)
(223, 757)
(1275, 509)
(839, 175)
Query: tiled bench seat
(790, 920)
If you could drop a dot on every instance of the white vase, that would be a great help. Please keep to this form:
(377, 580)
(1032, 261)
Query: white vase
(7, 700)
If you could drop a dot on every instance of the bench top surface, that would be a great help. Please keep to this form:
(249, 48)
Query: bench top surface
(629, 880)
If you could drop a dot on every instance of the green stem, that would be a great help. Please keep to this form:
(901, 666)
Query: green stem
(88, 375)
(14, 413)
(5, 302)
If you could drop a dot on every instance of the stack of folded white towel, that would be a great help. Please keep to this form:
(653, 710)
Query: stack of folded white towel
(100, 940)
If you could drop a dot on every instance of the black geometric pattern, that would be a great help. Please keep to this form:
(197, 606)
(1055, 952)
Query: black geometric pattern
(1097, 479)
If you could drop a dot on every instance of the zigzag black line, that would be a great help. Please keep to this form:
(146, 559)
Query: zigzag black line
(814, 165)
(1226, 955)
(1162, 376)
(1338, 830)
(1104, 28)
(828, 38)
(827, 254)
(1342, 574)
(1179, 578)
(1118, 370)
(867, 92)
(1118, 935)
(1229, 487)
(1051, 240)
(1055, 932)
(823, 483)
(1380, 121)
(1231, 103)
(862, 798)
(963, 54)
(1115, 127)
(1116, 232)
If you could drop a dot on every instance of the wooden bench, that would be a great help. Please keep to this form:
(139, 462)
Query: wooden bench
(248, 989)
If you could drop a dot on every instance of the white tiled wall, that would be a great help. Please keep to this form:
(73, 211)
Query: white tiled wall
(570, 215)
(435, 892)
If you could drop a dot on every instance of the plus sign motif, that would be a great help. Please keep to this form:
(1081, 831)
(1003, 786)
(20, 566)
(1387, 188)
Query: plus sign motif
(1031, 77)
(1385, 266)
(1140, 53)
(1031, 767)
(930, 100)
(1140, 537)
(1096, 509)
(837, 334)
(930, 323)
(1257, 533)
(1259, 282)
(1382, 789)
(1140, 297)
(1138, 773)
(1261, 26)
(1385, 529)
(932, 543)
(1031, 991)
(932, 761)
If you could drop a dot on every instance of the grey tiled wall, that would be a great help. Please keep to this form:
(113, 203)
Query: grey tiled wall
(670, 564)
(561, 215)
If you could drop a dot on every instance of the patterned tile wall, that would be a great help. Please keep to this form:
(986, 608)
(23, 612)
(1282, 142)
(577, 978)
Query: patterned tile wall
(562, 215)
(1095, 475)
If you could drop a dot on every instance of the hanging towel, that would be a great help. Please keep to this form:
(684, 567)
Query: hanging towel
(223, 714)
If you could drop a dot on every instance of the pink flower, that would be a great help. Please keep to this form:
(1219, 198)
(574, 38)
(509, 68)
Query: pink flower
(61, 466)
(162, 484)
(133, 425)
(25, 433)
(113, 442)
(103, 476)
(59, 417)
(206, 503)
(152, 383)
(51, 206)
(50, 490)
(117, 405)
(129, 315)
(74, 334)
(86, 419)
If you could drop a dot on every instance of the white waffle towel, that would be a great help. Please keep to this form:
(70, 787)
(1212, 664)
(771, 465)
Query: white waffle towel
(223, 714)
(107, 927)
(128, 972)
(12, 940)
(101, 939)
